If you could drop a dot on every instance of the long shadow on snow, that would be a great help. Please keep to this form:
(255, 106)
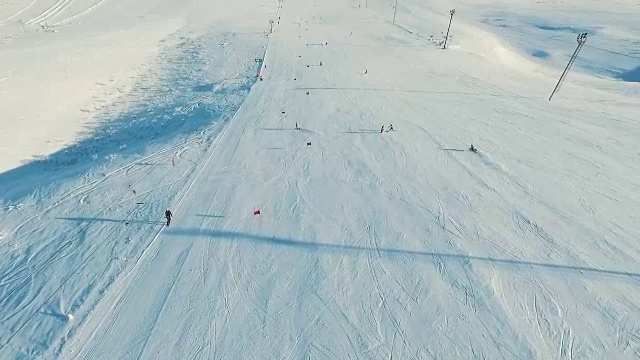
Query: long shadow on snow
(417, 91)
(360, 132)
(126, 221)
(180, 103)
(390, 253)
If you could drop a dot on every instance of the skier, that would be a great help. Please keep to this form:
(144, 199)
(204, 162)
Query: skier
(390, 127)
(297, 127)
(473, 149)
(381, 129)
(168, 215)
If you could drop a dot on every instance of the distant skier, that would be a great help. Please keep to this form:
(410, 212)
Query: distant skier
(473, 149)
(297, 127)
(381, 129)
(168, 215)
(390, 127)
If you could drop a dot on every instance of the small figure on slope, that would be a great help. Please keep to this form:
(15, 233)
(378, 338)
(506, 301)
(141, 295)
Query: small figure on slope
(297, 127)
(473, 149)
(390, 127)
(168, 215)
(381, 129)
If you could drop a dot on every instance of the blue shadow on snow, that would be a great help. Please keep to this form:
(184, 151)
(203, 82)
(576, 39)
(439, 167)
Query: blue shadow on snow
(632, 75)
(569, 29)
(204, 87)
(495, 22)
(391, 253)
(176, 105)
(540, 54)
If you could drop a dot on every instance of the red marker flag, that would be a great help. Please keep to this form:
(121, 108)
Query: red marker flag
(256, 212)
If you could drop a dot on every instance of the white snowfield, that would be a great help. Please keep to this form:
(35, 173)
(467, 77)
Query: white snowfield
(398, 244)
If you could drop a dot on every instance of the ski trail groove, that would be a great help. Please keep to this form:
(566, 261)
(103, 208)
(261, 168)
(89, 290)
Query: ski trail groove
(19, 12)
(143, 258)
(50, 12)
(76, 269)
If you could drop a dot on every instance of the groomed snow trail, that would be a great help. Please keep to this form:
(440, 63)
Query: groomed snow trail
(393, 245)
(383, 245)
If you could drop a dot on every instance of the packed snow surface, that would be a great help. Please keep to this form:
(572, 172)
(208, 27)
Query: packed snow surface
(370, 243)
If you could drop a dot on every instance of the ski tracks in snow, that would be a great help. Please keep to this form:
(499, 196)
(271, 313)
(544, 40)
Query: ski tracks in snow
(14, 283)
(58, 12)
(19, 12)
(144, 260)
(109, 179)
(56, 255)
(113, 198)
(50, 12)
(223, 270)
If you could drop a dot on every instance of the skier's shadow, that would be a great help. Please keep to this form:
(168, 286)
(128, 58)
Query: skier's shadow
(362, 131)
(288, 129)
(126, 221)
(280, 129)
(59, 316)
(151, 164)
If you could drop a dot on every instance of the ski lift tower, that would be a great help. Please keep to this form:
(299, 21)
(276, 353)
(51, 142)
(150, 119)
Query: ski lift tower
(451, 12)
(582, 38)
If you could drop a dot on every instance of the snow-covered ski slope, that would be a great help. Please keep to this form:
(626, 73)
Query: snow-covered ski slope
(67, 65)
(369, 245)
